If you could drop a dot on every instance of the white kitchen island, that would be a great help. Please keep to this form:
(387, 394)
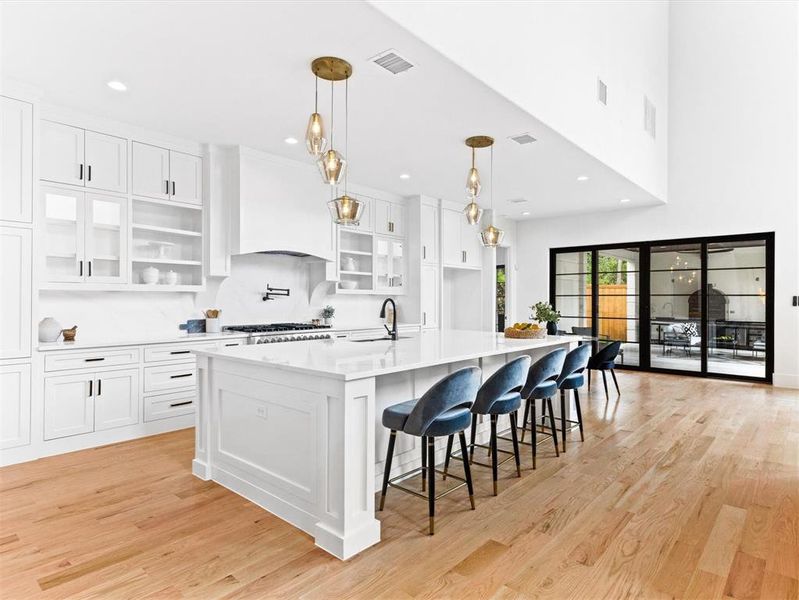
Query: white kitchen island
(295, 427)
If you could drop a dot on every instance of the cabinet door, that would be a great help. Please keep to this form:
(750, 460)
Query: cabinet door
(429, 233)
(116, 399)
(451, 249)
(381, 261)
(150, 171)
(366, 216)
(106, 162)
(396, 280)
(68, 405)
(106, 239)
(64, 223)
(186, 173)
(15, 405)
(62, 153)
(430, 296)
(15, 297)
(382, 216)
(397, 220)
(472, 248)
(16, 160)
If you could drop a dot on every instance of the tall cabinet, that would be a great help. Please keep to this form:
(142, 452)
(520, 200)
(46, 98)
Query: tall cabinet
(16, 266)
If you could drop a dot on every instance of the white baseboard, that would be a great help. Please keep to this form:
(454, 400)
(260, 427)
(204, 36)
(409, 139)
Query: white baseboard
(786, 380)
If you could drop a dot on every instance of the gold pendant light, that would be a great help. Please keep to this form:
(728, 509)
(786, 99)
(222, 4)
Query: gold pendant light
(472, 211)
(491, 237)
(332, 165)
(315, 140)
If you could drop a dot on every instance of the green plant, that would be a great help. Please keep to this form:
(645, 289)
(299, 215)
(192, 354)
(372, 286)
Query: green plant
(544, 313)
(328, 312)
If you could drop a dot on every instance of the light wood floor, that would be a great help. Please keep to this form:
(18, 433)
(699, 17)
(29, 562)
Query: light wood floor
(684, 488)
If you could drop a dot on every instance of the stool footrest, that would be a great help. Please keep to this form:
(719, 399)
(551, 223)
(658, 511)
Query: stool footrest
(393, 482)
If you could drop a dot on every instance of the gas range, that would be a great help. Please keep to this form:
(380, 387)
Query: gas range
(272, 333)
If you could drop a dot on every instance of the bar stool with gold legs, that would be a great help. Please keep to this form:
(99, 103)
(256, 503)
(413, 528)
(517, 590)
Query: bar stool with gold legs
(442, 411)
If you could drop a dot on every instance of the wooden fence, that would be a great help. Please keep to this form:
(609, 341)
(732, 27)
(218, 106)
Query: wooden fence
(612, 311)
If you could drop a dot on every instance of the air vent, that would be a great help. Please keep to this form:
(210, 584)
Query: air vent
(650, 117)
(392, 62)
(518, 201)
(601, 91)
(523, 138)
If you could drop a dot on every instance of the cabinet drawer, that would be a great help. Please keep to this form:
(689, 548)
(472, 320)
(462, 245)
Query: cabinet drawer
(174, 352)
(62, 361)
(170, 377)
(165, 406)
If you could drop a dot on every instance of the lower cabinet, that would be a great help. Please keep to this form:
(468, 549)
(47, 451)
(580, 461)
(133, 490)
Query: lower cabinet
(116, 400)
(164, 406)
(15, 405)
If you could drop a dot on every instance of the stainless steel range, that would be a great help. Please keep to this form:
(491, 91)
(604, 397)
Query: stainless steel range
(282, 332)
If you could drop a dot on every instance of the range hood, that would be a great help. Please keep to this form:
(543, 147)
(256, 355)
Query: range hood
(277, 206)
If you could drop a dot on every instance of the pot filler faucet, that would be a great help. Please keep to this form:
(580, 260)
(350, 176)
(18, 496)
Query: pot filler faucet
(392, 333)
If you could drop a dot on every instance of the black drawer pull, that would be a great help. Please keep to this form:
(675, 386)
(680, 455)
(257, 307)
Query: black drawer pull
(181, 403)
(80, 175)
(181, 375)
(90, 172)
(231, 344)
(181, 352)
(92, 359)
(99, 387)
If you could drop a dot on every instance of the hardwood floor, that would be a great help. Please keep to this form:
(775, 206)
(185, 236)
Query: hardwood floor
(683, 488)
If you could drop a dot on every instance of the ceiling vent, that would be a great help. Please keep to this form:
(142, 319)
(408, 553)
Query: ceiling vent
(518, 201)
(650, 117)
(392, 62)
(523, 138)
(601, 91)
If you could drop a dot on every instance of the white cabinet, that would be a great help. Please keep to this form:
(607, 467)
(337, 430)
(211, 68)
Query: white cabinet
(367, 215)
(390, 265)
(15, 297)
(389, 218)
(86, 236)
(85, 158)
(16, 160)
(429, 233)
(166, 174)
(85, 402)
(15, 405)
(430, 294)
(460, 242)
(116, 401)
(68, 405)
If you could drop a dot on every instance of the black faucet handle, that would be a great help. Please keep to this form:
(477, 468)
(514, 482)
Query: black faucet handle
(387, 329)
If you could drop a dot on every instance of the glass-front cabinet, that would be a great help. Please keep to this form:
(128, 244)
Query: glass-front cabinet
(389, 261)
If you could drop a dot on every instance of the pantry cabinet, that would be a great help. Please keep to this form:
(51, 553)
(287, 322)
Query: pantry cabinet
(16, 294)
(16, 160)
(460, 241)
(430, 296)
(84, 158)
(15, 405)
(429, 233)
(166, 174)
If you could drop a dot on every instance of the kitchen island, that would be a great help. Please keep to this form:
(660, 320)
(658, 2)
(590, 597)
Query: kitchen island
(295, 427)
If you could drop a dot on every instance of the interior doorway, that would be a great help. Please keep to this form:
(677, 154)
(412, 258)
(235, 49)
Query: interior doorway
(501, 289)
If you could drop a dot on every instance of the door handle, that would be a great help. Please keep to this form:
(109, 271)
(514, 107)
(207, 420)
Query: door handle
(99, 387)
(81, 269)
(91, 383)
(90, 268)
(173, 188)
(90, 173)
(424, 251)
(80, 175)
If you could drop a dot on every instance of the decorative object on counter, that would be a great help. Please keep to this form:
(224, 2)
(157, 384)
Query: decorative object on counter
(544, 313)
(315, 322)
(332, 165)
(49, 330)
(526, 331)
(348, 284)
(491, 236)
(193, 326)
(473, 212)
(69, 334)
(150, 275)
(171, 278)
(272, 292)
(212, 320)
(327, 314)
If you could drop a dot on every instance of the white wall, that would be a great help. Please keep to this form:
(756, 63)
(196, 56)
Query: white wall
(546, 57)
(732, 153)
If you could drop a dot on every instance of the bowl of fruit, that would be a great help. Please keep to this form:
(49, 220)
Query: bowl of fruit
(526, 331)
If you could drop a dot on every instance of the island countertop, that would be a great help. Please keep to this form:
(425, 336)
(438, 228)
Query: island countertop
(350, 360)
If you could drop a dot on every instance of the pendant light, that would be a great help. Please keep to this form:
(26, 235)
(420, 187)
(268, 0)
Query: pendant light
(491, 237)
(472, 211)
(332, 165)
(315, 140)
(346, 210)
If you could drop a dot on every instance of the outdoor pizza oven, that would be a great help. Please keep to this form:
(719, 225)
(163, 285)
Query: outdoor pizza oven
(716, 304)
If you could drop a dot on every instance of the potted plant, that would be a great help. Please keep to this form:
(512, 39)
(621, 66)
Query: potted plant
(544, 313)
(327, 314)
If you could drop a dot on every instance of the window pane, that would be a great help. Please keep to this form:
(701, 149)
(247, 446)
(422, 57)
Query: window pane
(569, 323)
(573, 262)
(573, 284)
(574, 305)
(676, 257)
(736, 255)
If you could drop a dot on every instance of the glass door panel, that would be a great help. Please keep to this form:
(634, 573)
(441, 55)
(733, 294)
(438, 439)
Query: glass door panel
(573, 291)
(618, 295)
(106, 227)
(64, 223)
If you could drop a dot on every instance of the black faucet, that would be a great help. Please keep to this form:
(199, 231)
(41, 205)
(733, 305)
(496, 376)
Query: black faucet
(392, 333)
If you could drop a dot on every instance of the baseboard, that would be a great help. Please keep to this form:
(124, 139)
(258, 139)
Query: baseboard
(786, 380)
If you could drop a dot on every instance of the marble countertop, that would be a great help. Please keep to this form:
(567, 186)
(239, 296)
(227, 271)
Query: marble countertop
(349, 360)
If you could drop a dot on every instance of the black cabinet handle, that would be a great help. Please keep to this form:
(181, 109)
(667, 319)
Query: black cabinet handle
(181, 375)
(231, 344)
(173, 188)
(91, 383)
(180, 352)
(90, 268)
(99, 387)
(92, 359)
(180, 403)
(167, 186)
(80, 175)
(81, 269)
(90, 173)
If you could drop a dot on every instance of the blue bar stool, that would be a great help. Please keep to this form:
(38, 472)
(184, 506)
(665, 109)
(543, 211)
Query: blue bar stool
(542, 385)
(442, 411)
(571, 378)
(605, 360)
(499, 395)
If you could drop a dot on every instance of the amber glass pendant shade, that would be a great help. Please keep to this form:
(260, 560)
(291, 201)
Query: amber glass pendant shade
(315, 140)
(473, 212)
(332, 166)
(473, 186)
(345, 210)
(491, 237)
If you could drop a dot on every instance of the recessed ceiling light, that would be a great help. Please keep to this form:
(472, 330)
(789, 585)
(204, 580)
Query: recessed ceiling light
(624, 200)
(291, 140)
(117, 86)
(405, 176)
(583, 178)
(525, 213)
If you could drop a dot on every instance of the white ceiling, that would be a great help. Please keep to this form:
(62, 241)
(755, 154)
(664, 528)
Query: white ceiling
(238, 73)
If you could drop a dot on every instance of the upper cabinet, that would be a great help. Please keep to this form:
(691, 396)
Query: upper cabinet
(389, 218)
(166, 174)
(16, 160)
(460, 242)
(15, 298)
(429, 233)
(84, 158)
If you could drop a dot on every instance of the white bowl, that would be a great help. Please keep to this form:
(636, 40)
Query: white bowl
(347, 284)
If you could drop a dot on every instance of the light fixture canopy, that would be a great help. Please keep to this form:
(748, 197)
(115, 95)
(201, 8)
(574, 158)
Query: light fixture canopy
(345, 210)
